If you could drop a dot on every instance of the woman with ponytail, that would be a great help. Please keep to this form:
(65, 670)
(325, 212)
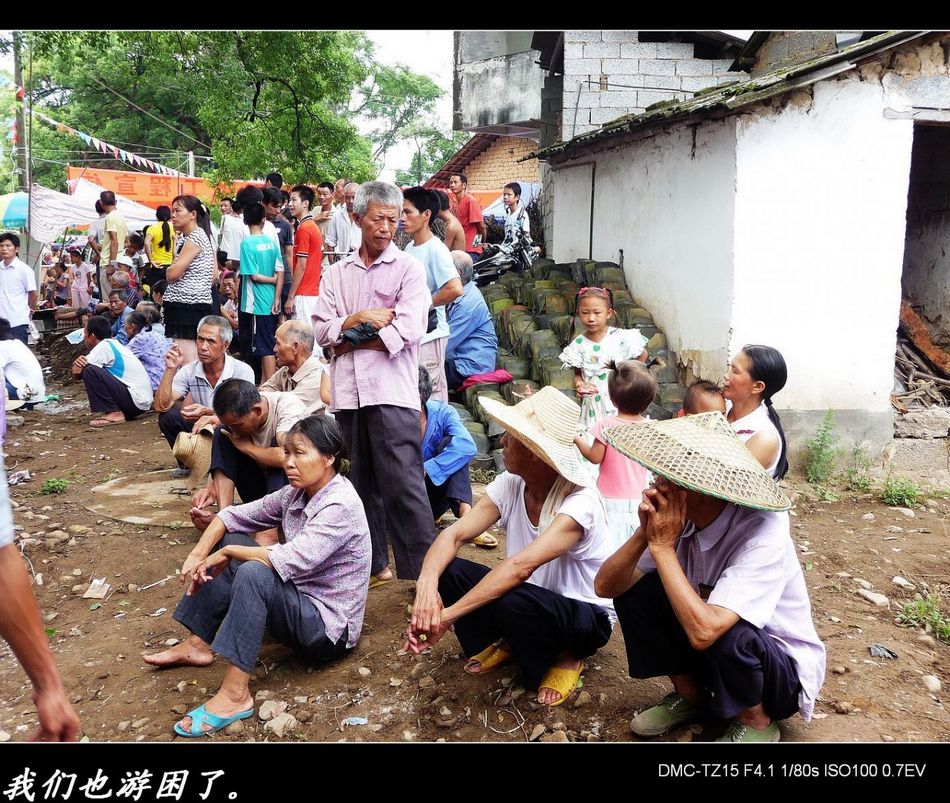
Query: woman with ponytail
(159, 246)
(309, 590)
(188, 297)
(756, 374)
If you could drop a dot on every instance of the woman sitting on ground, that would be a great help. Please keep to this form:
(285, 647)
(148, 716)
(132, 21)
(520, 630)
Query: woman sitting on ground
(756, 374)
(538, 606)
(147, 344)
(309, 592)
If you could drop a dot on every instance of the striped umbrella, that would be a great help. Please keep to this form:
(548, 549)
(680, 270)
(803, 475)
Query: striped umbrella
(13, 210)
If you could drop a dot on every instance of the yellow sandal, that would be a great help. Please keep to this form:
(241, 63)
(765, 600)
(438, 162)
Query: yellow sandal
(489, 659)
(563, 681)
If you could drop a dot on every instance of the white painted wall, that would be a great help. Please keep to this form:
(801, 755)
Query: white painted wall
(819, 241)
(571, 189)
(669, 206)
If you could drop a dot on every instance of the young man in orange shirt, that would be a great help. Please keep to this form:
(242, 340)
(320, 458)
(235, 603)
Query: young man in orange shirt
(308, 254)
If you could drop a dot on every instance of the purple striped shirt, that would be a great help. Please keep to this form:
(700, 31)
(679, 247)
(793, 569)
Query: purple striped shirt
(327, 550)
(367, 377)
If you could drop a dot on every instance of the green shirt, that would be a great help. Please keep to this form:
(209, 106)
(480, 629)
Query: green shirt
(258, 258)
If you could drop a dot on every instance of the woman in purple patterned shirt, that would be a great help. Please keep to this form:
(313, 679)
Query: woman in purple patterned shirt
(309, 590)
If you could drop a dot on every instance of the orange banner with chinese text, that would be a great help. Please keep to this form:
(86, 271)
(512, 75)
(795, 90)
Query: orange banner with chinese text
(151, 189)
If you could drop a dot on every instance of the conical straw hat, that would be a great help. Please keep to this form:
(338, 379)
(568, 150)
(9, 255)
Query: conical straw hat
(546, 423)
(194, 450)
(703, 453)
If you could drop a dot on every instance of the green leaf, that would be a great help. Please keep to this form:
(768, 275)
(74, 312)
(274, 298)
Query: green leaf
(95, 606)
(50, 632)
(809, 567)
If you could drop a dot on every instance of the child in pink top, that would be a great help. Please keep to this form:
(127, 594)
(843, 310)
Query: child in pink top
(621, 481)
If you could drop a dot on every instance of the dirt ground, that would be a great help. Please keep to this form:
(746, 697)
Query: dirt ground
(98, 644)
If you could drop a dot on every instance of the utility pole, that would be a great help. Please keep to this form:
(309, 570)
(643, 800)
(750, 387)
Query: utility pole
(191, 163)
(23, 178)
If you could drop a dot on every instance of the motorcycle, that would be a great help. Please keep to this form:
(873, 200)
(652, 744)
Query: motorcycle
(504, 258)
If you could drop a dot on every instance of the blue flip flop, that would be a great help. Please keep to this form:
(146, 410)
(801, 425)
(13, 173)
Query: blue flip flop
(200, 717)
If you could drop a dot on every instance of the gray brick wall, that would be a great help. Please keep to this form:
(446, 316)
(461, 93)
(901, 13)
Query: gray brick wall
(638, 74)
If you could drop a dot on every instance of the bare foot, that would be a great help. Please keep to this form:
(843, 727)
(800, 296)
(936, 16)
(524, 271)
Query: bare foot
(190, 652)
(221, 705)
(201, 517)
(548, 696)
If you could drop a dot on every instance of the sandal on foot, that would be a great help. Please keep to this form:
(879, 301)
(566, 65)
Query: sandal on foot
(563, 681)
(99, 423)
(489, 659)
(201, 717)
(485, 541)
(375, 581)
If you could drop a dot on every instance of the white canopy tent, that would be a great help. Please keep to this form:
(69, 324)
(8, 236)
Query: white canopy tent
(51, 212)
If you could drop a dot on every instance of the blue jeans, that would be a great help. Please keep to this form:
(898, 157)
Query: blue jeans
(11, 391)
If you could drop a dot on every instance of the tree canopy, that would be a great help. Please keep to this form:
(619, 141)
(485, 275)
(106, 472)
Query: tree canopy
(245, 102)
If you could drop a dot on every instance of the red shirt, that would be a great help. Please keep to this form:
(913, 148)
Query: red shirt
(308, 242)
(469, 214)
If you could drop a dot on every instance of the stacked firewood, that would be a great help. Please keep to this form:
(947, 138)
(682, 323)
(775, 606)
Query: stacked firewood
(923, 382)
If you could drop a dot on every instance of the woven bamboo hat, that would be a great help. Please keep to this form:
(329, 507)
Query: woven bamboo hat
(703, 453)
(194, 450)
(546, 423)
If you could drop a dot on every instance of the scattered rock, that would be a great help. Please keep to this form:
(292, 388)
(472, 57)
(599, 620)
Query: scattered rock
(4, 736)
(301, 700)
(583, 699)
(516, 692)
(893, 528)
(395, 682)
(58, 534)
(868, 517)
(408, 736)
(181, 686)
(907, 512)
(304, 716)
(375, 728)
(886, 738)
(270, 709)
(263, 695)
(932, 682)
(905, 584)
(426, 682)
(593, 737)
(140, 723)
(536, 733)
(875, 598)
(235, 727)
(865, 585)
(170, 642)
(447, 722)
(15, 421)
(418, 671)
(365, 671)
(840, 670)
(281, 724)
(602, 699)
(930, 641)
(557, 736)
(78, 529)
(842, 708)
(124, 725)
(77, 572)
(181, 709)
(79, 589)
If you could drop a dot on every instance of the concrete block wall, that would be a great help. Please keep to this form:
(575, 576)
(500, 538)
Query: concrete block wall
(608, 74)
(498, 164)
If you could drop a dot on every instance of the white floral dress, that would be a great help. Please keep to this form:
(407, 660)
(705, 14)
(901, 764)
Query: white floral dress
(592, 358)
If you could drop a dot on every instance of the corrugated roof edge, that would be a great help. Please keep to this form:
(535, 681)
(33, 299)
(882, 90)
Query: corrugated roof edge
(734, 95)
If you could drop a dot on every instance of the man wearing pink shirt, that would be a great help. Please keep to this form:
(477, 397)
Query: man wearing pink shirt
(372, 311)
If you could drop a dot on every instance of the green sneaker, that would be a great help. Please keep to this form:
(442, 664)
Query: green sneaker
(737, 732)
(671, 711)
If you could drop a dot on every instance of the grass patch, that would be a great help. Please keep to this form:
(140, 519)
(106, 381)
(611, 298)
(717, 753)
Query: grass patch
(857, 476)
(923, 612)
(900, 492)
(821, 453)
(54, 486)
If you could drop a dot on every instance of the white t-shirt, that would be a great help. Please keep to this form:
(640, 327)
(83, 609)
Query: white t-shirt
(22, 370)
(572, 574)
(16, 282)
(752, 424)
(126, 367)
(440, 269)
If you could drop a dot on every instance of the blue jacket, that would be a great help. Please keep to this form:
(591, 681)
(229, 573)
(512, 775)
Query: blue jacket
(442, 421)
(473, 345)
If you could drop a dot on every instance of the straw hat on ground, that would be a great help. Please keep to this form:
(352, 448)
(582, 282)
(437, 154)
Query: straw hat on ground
(702, 453)
(546, 423)
(194, 450)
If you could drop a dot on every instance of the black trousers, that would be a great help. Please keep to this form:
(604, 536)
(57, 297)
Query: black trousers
(106, 393)
(385, 447)
(172, 423)
(456, 489)
(538, 624)
(251, 480)
(453, 378)
(743, 668)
